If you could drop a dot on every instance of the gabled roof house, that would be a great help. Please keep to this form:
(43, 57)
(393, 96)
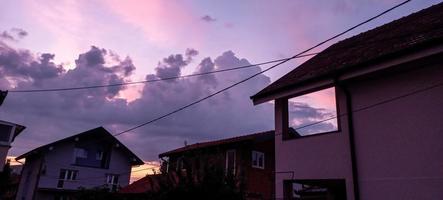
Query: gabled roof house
(94, 158)
(388, 139)
(248, 158)
(8, 132)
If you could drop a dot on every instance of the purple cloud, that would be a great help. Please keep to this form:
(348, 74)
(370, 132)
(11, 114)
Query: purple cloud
(13, 35)
(208, 18)
(54, 115)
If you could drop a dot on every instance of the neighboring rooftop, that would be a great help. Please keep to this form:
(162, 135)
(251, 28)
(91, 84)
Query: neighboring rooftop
(149, 183)
(98, 132)
(18, 128)
(412, 32)
(255, 136)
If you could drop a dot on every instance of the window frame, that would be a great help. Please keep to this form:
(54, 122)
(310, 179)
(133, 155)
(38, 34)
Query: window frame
(283, 104)
(258, 163)
(112, 181)
(71, 176)
(234, 168)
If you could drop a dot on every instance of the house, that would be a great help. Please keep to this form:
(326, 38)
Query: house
(8, 132)
(388, 142)
(91, 159)
(149, 183)
(249, 158)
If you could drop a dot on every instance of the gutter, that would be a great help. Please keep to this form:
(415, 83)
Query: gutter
(351, 134)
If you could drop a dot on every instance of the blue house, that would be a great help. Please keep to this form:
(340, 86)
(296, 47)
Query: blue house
(90, 159)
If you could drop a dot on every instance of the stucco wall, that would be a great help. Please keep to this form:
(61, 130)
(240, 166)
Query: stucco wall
(3, 153)
(399, 144)
(61, 157)
(28, 179)
(324, 156)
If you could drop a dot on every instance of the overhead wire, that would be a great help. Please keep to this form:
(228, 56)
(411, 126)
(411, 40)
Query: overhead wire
(263, 71)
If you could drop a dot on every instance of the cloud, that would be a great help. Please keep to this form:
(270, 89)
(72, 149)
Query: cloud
(19, 32)
(13, 35)
(55, 115)
(301, 116)
(6, 36)
(208, 18)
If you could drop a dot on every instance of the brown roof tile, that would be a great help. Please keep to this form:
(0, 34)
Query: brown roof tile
(411, 32)
(267, 134)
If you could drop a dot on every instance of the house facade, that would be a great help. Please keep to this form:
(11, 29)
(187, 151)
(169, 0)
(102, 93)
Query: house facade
(91, 159)
(387, 144)
(8, 132)
(249, 158)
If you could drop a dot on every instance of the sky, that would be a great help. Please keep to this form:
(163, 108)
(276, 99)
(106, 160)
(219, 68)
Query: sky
(71, 43)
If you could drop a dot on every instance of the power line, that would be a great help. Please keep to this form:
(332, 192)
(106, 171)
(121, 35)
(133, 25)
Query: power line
(361, 43)
(311, 124)
(155, 80)
(370, 106)
(261, 72)
(281, 61)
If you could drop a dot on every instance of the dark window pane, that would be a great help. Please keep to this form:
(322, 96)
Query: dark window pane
(62, 174)
(5, 132)
(60, 183)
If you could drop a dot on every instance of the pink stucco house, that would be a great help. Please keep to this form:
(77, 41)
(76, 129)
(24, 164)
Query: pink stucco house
(388, 142)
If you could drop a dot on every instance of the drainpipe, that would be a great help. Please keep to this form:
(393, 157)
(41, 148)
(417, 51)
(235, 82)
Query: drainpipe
(351, 134)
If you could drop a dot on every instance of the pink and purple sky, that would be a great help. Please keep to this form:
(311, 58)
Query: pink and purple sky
(65, 43)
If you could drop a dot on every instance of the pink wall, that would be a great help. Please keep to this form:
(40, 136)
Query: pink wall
(399, 144)
(324, 156)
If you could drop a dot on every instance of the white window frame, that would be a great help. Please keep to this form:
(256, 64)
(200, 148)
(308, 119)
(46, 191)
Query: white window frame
(256, 155)
(227, 161)
(71, 175)
(99, 155)
(110, 179)
(66, 177)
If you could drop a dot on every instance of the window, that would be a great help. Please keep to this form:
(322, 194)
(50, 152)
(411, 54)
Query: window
(5, 133)
(230, 162)
(312, 114)
(180, 164)
(315, 189)
(66, 175)
(112, 182)
(99, 155)
(63, 198)
(80, 153)
(258, 159)
(92, 155)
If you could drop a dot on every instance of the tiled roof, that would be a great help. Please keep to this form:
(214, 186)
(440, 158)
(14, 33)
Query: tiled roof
(150, 183)
(412, 32)
(98, 132)
(267, 134)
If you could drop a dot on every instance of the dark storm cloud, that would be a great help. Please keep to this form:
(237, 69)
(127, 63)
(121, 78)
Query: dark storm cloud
(55, 115)
(208, 18)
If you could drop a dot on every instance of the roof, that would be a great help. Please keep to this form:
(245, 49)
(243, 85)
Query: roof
(415, 31)
(99, 132)
(261, 135)
(149, 183)
(18, 128)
